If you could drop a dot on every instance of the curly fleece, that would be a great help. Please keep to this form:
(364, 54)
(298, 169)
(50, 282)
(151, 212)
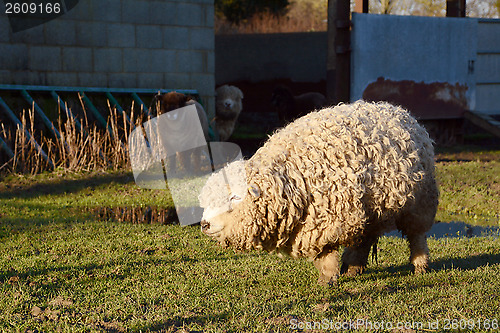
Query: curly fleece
(326, 178)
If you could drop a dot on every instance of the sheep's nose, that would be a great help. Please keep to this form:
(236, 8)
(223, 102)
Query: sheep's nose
(204, 225)
(228, 103)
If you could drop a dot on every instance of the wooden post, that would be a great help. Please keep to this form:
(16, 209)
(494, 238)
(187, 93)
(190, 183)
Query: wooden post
(339, 51)
(455, 8)
(343, 51)
(361, 6)
(331, 56)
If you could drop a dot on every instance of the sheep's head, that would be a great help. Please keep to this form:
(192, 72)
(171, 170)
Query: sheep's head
(221, 198)
(228, 102)
(167, 102)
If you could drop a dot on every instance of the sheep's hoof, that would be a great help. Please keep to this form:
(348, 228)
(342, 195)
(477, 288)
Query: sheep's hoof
(326, 281)
(355, 270)
(351, 270)
(420, 264)
(420, 269)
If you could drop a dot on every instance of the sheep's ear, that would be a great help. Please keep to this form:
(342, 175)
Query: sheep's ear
(240, 92)
(254, 190)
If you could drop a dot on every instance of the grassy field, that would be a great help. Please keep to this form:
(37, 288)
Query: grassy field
(63, 269)
(470, 192)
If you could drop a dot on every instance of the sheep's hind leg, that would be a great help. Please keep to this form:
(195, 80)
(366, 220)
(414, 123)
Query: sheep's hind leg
(355, 258)
(327, 264)
(419, 252)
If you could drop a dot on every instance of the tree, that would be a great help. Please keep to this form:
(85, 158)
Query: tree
(238, 10)
(431, 8)
(386, 6)
(483, 8)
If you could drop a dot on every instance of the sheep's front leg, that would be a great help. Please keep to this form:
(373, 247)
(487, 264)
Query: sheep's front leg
(327, 264)
(419, 252)
(355, 258)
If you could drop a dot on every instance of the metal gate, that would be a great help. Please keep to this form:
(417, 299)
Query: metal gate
(86, 95)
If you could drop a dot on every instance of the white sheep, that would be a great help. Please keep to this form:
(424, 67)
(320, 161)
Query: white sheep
(228, 107)
(340, 176)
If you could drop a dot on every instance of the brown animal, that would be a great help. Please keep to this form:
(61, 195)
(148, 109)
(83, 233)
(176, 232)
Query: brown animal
(175, 100)
(179, 133)
(290, 107)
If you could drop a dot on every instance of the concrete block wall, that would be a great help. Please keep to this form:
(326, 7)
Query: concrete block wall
(158, 44)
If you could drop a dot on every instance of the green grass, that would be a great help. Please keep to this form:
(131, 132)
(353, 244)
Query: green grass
(106, 276)
(63, 270)
(470, 192)
(81, 189)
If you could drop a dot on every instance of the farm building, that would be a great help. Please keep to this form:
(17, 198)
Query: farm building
(121, 44)
(129, 46)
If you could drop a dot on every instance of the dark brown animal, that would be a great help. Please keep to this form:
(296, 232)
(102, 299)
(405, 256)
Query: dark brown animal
(174, 100)
(290, 107)
(179, 132)
(168, 102)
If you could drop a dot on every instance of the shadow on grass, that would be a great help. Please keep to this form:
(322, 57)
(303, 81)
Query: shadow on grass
(379, 282)
(54, 186)
(465, 263)
(178, 323)
(145, 257)
(11, 226)
(468, 263)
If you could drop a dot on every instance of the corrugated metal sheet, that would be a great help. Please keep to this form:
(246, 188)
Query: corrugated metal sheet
(488, 67)
(424, 63)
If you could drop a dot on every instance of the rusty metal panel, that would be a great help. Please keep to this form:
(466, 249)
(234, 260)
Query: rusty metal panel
(426, 64)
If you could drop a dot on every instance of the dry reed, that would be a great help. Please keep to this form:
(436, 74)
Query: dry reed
(85, 148)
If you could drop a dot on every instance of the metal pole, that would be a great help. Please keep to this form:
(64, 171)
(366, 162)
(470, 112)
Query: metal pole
(40, 112)
(6, 147)
(139, 101)
(114, 103)
(95, 112)
(68, 112)
(13, 117)
(75, 119)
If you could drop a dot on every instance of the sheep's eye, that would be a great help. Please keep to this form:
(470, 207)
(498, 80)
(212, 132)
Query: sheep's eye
(235, 197)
